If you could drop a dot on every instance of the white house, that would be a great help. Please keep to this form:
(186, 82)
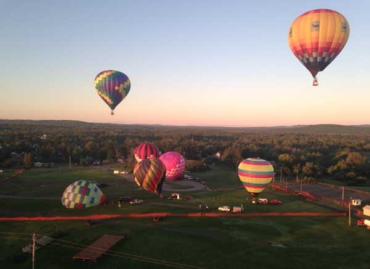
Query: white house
(356, 202)
(37, 164)
(366, 210)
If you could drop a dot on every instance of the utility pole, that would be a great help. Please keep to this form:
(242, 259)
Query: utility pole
(349, 214)
(33, 250)
(281, 174)
(70, 162)
(342, 193)
(301, 187)
(286, 184)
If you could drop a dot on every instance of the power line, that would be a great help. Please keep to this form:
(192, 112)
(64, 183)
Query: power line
(74, 245)
(132, 256)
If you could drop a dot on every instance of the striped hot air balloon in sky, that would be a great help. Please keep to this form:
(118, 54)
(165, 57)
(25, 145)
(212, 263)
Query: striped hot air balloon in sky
(255, 174)
(146, 151)
(112, 87)
(175, 165)
(317, 37)
(149, 175)
(82, 194)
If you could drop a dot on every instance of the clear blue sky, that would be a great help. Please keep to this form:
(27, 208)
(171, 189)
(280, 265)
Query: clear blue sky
(190, 62)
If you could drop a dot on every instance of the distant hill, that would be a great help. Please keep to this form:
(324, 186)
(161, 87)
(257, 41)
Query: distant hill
(318, 129)
(303, 129)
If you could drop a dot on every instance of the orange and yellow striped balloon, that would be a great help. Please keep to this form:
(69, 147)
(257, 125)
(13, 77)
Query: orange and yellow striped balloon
(255, 174)
(317, 37)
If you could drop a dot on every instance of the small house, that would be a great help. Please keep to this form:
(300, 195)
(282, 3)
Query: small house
(38, 164)
(96, 163)
(356, 202)
(366, 210)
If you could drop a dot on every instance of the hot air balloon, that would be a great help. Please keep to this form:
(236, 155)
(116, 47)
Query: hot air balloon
(175, 165)
(83, 194)
(149, 175)
(112, 87)
(317, 37)
(146, 151)
(255, 174)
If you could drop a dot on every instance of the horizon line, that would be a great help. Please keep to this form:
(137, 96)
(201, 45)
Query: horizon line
(196, 126)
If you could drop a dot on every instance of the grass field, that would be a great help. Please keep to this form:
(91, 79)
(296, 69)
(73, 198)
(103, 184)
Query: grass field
(202, 243)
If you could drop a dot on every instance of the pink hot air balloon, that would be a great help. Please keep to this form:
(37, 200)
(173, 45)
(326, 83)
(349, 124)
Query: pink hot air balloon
(175, 165)
(146, 151)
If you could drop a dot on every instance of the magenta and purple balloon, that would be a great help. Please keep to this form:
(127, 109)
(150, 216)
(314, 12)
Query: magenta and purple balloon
(175, 165)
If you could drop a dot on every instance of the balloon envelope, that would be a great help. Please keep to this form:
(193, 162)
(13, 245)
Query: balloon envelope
(112, 87)
(83, 194)
(175, 165)
(317, 37)
(146, 151)
(255, 174)
(149, 175)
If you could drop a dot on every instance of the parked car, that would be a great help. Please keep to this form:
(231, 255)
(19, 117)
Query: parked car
(224, 208)
(175, 196)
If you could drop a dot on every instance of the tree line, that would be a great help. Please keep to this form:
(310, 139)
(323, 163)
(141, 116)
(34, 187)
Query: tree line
(306, 155)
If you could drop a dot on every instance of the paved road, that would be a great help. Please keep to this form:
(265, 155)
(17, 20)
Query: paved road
(332, 192)
(183, 186)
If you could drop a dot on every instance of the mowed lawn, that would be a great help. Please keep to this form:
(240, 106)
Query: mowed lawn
(175, 243)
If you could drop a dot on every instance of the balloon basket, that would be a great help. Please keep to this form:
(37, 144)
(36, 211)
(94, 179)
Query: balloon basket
(315, 82)
(157, 219)
(254, 200)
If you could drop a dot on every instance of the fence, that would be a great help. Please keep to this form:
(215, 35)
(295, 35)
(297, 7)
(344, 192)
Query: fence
(325, 193)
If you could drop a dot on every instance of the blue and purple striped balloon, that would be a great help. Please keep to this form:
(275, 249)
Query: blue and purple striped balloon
(112, 87)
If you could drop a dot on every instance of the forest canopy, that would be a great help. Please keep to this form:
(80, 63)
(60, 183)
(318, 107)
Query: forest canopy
(318, 151)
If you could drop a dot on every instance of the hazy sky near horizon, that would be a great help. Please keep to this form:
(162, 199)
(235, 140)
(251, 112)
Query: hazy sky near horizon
(190, 62)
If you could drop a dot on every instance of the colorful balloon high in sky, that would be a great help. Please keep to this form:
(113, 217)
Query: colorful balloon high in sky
(175, 165)
(255, 174)
(317, 37)
(82, 194)
(149, 175)
(112, 87)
